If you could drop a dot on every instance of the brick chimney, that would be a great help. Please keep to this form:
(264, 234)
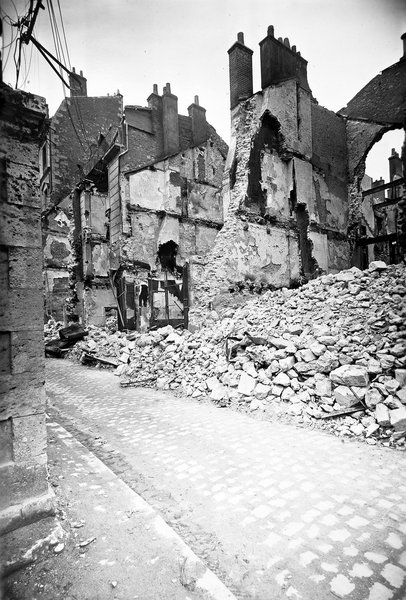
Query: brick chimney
(395, 165)
(279, 62)
(170, 121)
(240, 68)
(77, 83)
(199, 124)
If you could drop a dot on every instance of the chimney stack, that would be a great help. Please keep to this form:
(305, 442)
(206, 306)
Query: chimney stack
(403, 37)
(170, 121)
(240, 68)
(279, 62)
(77, 83)
(199, 124)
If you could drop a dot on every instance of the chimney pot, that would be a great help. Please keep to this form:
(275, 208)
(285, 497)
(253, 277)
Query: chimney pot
(286, 42)
(271, 30)
(73, 70)
(197, 100)
(293, 48)
(167, 88)
(155, 88)
(280, 40)
(81, 73)
(240, 37)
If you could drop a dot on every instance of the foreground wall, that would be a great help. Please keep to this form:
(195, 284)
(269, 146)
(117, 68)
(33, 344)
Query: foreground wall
(24, 494)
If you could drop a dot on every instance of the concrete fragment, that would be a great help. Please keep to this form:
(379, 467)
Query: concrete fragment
(401, 394)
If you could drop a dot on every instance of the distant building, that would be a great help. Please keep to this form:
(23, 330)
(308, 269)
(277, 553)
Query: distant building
(72, 137)
(377, 237)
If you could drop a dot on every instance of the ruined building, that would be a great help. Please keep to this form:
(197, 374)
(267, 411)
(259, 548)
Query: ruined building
(377, 235)
(25, 496)
(292, 191)
(148, 198)
(72, 137)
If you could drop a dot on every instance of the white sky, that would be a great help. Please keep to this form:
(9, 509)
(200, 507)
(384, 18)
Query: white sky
(131, 44)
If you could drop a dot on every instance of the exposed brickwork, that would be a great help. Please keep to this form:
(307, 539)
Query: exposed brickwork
(23, 475)
(240, 68)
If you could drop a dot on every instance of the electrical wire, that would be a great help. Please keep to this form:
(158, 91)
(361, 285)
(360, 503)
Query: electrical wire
(62, 59)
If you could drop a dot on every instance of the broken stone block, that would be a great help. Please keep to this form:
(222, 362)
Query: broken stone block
(256, 404)
(305, 355)
(323, 386)
(212, 383)
(382, 415)
(371, 429)
(281, 379)
(391, 385)
(377, 265)
(373, 397)
(344, 396)
(400, 375)
(262, 391)
(345, 276)
(277, 390)
(401, 394)
(357, 429)
(398, 418)
(287, 393)
(285, 364)
(374, 367)
(350, 375)
(219, 393)
(246, 384)
(249, 368)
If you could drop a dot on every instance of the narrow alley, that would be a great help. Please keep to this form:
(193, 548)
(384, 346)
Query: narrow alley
(273, 510)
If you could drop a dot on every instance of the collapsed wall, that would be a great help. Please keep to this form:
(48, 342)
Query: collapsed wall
(285, 185)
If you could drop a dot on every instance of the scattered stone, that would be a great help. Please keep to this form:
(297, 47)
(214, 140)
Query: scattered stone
(319, 349)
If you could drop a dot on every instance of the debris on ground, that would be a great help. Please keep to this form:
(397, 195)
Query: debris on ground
(68, 336)
(335, 347)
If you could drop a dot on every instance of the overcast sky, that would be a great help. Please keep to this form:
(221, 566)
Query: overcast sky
(129, 45)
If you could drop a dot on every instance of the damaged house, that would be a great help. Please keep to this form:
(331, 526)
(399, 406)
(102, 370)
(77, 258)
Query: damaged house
(71, 138)
(150, 198)
(292, 191)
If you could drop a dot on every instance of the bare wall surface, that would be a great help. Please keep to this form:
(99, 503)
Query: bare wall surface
(24, 493)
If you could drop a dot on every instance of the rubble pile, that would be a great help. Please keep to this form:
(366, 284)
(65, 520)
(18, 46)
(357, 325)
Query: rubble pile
(51, 329)
(332, 352)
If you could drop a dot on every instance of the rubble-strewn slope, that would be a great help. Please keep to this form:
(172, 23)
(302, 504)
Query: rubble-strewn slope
(336, 343)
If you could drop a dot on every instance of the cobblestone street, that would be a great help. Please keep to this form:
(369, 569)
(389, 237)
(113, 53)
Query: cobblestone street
(275, 511)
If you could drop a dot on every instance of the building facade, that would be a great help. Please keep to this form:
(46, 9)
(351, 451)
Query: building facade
(150, 199)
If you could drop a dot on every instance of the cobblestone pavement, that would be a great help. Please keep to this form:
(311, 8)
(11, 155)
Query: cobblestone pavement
(278, 512)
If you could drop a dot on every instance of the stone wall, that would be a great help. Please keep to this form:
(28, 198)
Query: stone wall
(24, 491)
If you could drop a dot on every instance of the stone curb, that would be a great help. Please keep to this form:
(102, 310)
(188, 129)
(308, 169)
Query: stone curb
(206, 581)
